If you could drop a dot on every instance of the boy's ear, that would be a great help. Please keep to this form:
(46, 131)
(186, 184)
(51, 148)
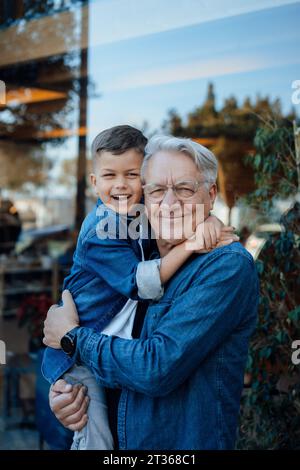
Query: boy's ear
(93, 179)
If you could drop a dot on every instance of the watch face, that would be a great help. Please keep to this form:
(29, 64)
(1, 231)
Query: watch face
(67, 344)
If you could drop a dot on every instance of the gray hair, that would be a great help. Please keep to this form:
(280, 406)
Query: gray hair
(204, 159)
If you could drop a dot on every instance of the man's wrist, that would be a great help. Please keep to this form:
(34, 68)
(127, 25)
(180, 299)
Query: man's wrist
(74, 330)
(69, 341)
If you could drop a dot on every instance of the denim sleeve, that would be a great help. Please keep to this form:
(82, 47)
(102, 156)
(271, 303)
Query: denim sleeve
(115, 260)
(148, 280)
(221, 298)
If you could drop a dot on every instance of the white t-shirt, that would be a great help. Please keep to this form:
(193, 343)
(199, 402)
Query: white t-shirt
(121, 325)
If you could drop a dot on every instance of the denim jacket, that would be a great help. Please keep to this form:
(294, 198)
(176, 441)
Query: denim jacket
(182, 380)
(107, 270)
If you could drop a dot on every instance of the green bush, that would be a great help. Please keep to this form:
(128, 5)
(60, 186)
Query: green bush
(270, 410)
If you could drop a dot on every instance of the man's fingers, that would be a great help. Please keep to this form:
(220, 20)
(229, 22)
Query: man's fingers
(61, 386)
(76, 417)
(68, 299)
(80, 425)
(72, 403)
(60, 404)
(52, 307)
(75, 406)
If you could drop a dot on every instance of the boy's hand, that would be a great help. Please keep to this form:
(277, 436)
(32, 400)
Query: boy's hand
(227, 236)
(207, 235)
(212, 231)
(211, 234)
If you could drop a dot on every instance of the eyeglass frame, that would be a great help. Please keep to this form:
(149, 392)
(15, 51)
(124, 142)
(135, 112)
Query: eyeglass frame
(172, 186)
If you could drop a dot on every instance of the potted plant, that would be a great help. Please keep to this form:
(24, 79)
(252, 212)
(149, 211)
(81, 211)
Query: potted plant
(32, 312)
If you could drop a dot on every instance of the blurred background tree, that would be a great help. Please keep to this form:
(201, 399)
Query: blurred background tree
(41, 98)
(229, 133)
(255, 147)
(270, 416)
(46, 76)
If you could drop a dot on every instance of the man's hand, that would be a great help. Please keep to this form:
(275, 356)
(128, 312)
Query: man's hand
(69, 403)
(60, 320)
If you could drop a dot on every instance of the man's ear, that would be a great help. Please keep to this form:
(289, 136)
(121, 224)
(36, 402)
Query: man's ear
(212, 195)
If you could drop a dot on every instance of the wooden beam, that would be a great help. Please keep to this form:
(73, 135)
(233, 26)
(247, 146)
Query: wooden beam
(43, 37)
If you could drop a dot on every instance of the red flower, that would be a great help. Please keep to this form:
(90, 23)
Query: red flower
(33, 311)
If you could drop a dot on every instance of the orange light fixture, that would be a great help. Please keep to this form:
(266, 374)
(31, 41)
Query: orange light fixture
(59, 133)
(31, 95)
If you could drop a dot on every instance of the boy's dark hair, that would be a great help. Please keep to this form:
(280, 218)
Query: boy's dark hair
(117, 140)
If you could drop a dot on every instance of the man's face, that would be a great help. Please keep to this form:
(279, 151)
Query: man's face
(117, 179)
(174, 220)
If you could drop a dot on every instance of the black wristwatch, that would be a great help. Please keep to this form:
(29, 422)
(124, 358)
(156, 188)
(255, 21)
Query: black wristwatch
(68, 342)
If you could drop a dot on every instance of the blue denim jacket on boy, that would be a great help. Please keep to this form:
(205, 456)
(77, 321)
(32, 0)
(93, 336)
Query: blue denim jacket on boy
(106, 272)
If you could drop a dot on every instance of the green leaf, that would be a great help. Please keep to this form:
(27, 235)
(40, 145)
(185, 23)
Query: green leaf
(265, 352)
(257, 160)
(281, 337)
(294, 315)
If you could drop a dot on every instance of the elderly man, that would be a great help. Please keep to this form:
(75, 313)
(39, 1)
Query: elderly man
(181, 381)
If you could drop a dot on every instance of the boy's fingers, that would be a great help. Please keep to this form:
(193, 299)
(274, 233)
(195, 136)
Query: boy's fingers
(208, 239)
(228, 228)
(213, 237)
(216, 236)
(198, 242)
(229, 236)
(225, 242)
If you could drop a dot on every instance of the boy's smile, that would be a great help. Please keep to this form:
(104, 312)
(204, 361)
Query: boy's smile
(117, 179)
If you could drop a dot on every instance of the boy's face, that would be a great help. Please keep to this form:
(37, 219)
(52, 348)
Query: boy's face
(117, 179)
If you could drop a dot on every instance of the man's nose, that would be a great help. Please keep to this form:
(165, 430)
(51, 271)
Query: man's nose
(170, 198)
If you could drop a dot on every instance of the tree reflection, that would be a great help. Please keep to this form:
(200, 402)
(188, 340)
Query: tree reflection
(44, 66)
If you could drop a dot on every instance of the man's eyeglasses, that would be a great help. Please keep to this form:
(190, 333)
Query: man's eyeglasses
(183, 190)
